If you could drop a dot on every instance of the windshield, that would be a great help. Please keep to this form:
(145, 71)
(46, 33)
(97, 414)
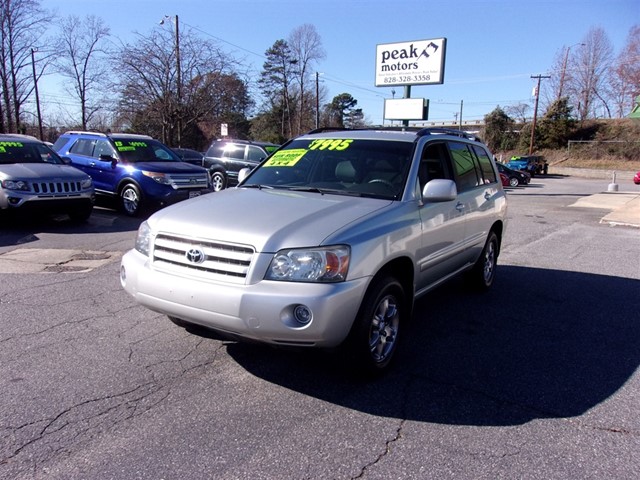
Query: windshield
(373, 168)
(145, 150)
(27, 152)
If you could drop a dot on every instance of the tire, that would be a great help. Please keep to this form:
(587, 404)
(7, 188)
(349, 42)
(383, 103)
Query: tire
(81, 215)
(483, 273)
(131, 200)
(514, 182)
(218, 181)
(373, 339)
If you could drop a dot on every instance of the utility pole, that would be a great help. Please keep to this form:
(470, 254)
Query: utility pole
(317, 100)
(535, 110)
(179, 79)
(35, 84)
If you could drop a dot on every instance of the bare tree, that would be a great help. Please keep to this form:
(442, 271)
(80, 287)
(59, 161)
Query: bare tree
(148, 80)
(22, 23)
(625, 78)
(588, 84)
(306, 49)
(84, 61)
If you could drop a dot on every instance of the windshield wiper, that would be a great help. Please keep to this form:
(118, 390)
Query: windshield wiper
(258, 186)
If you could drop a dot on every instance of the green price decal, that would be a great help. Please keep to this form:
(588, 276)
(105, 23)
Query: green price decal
(285, 158)
(330, 144)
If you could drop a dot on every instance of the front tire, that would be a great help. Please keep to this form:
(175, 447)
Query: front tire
(514, 182)
(131, 200)
(374, 336)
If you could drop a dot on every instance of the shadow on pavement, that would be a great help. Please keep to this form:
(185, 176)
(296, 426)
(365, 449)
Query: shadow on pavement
(541, 344)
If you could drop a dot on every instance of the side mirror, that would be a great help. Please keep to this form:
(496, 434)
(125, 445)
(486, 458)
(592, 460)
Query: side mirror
(243, 173)
(439, 190)
(66, 160)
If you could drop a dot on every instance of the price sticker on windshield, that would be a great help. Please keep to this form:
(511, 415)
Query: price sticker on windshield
(330, 144)
(285, 158)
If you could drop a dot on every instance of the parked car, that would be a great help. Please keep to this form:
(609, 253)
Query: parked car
(516, 177)
(636, 178)
(327, 243)
(532, 164)
(225, 158)
(504, 179)
(135, 170)
(190, 156)
(34, 179)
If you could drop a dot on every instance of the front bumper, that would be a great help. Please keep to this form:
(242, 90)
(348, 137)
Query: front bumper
(262, 312)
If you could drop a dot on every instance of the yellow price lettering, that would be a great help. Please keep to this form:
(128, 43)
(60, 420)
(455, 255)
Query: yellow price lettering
(330, 144)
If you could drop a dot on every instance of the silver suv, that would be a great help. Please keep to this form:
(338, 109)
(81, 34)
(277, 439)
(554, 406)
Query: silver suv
(327, 243)
(33, 178)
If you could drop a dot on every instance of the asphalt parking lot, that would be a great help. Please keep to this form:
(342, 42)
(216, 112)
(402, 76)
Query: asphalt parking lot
(536, 379)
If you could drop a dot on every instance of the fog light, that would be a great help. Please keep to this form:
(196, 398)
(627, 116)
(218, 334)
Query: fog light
(123, 275)
(302, 314)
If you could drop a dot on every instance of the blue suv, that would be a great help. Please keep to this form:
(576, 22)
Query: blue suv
(136, 170)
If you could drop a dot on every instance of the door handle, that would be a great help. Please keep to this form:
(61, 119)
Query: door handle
(487, 195)
(460, 206)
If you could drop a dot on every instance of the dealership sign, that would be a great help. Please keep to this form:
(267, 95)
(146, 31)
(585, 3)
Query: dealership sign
(410, 63)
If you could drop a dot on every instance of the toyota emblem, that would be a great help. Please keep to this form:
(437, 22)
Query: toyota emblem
(195, 255)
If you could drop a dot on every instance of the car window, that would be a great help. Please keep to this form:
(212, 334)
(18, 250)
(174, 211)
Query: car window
(143, 150)
(83, 146)
(464, 166)
(233, 151)
(486, 166)
(26, 152)
(255, 154)
(433, 164)
(363, 167)
(103, 147)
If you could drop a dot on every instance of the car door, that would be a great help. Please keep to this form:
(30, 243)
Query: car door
(478, 189)
(104, 165)
(442, 246)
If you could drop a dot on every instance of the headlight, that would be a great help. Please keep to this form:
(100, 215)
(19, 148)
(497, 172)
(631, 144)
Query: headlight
(323, 264)
(143, 239)
(20, 185)
(158, 177)
(87, 183)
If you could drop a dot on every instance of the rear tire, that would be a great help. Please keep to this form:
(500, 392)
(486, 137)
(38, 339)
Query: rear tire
(483, 272)
(373, 339)
(81, 215)
(218, 181)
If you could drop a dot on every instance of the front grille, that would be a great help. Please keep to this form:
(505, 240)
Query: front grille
(205, 259)
(56, 187)
(189, 180)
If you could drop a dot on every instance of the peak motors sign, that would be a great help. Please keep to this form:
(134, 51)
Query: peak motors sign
(410, 63)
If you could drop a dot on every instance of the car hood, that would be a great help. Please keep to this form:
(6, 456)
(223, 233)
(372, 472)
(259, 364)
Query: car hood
(169, 167)
(40, 171)
(268, 220)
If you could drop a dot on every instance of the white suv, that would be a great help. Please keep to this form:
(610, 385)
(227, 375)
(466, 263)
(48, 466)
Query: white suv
(328, 242)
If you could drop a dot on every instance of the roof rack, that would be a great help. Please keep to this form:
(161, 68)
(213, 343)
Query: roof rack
(448, 131)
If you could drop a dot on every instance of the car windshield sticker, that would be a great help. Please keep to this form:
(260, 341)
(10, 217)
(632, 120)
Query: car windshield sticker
(330, 144)
(285, 158)
(4, 145)
(129, 146)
